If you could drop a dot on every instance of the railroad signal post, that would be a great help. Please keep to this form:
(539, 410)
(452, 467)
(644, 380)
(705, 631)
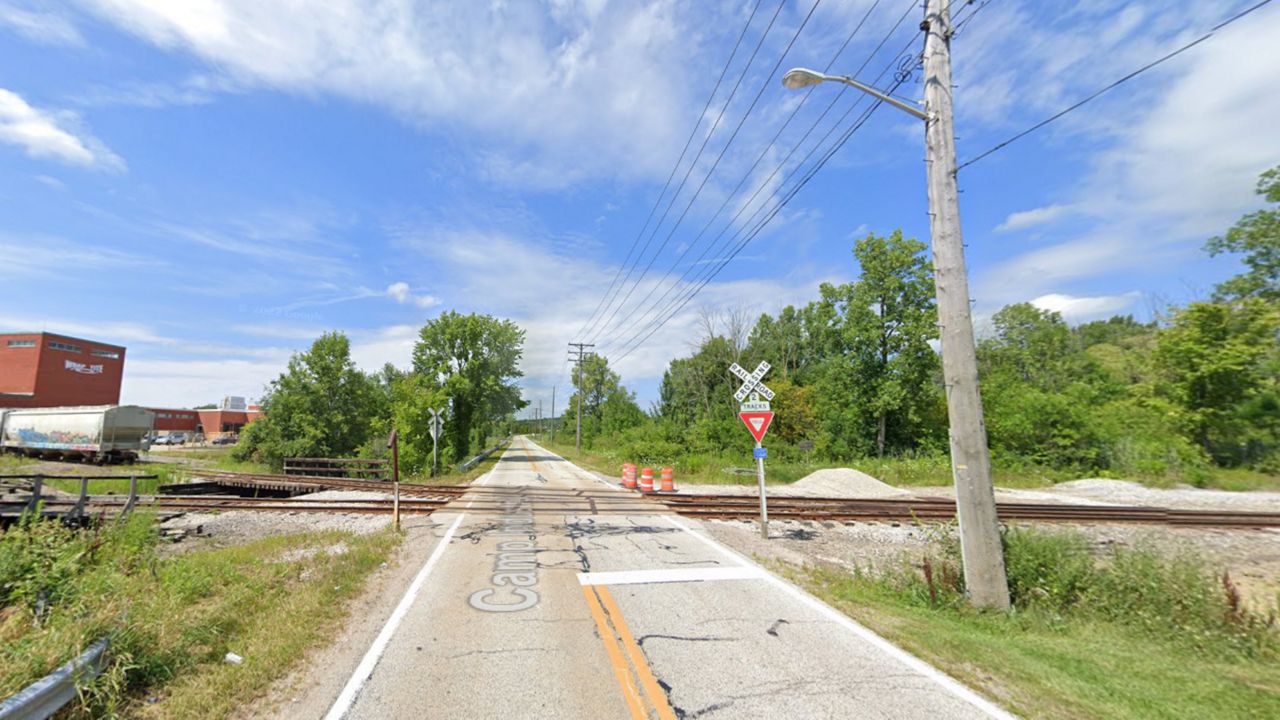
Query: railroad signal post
(394, 443)
(434, 428)
(757, 416)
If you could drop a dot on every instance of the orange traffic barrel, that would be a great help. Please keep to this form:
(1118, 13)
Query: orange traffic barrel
(629, 476)
(646, 480)
(668, 480)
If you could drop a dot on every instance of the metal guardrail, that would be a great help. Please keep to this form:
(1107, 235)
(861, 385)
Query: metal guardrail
(472, 462)
(47, 695)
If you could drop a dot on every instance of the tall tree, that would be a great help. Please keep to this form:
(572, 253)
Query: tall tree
(879, 329)
(475, 359)
(1257, 236)
(1219, 361)
(321, 406)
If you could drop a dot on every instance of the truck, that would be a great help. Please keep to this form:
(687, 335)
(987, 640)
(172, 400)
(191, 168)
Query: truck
(98, 434)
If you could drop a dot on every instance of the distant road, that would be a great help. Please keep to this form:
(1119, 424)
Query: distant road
(551, 594)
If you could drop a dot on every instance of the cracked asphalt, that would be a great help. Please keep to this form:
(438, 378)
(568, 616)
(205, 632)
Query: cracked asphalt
(500, 627)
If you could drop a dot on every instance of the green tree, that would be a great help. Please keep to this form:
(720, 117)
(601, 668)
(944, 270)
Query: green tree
(321, 406)
(1257, 237)
(877, 332)
(1220, 363)
(475, 360)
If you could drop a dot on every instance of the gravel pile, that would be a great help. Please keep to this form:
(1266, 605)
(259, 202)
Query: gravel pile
(831, 482)
(1124, 492)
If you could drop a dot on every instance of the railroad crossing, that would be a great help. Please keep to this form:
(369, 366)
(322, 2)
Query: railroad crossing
(536, 603)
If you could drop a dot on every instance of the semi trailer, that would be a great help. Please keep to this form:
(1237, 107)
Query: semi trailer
(99, 434)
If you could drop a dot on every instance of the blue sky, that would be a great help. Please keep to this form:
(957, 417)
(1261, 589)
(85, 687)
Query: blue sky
(213, 183)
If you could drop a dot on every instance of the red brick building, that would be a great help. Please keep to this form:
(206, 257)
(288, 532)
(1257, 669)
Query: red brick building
(48, 370)
(211, 423)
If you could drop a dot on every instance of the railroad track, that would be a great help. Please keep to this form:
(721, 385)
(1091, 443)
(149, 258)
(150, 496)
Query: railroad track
(206, 503)
(941, 509)
(746, 507)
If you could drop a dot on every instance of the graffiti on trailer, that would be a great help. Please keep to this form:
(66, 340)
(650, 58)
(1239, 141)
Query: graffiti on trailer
(31, 437)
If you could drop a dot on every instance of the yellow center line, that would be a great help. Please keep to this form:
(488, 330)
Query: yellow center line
(629, 691)
(657, 696)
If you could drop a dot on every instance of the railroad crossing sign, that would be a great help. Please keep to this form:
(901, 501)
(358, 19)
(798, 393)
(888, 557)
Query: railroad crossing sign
(434, 426)
(751, 382)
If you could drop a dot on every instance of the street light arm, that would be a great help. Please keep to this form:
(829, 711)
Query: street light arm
(799, 78)
(905, 107)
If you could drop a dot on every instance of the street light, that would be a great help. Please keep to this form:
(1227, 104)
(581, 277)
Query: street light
(984, 572)
(801, 78)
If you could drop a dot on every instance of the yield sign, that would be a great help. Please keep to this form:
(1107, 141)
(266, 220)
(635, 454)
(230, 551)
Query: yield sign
(757, 423)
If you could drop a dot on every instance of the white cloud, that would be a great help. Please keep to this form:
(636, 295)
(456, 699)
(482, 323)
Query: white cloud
(56, 255)
(1030, 218)
(1081, 309)
(42, 26)
(576, 90)
(402, 294)
(46, 135)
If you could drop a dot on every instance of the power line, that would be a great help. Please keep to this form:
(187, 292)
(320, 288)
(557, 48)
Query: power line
(711, 171)
(1113, 85)
(729, 197)
(759, 226)
(661, 316)
(692, 133)
(693, 163)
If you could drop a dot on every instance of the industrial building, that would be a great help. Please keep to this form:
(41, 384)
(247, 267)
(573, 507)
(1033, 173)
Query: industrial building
(48, 370)
(229, 418)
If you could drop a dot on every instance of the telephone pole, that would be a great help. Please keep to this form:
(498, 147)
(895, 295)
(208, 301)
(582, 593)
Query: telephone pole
(577, 351)
(984, 570)
(553, 413)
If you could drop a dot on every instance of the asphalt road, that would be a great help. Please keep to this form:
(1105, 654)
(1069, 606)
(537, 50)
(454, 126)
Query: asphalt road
(551, 593)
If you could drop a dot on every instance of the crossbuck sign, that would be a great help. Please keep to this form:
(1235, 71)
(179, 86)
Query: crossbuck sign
(751, 381)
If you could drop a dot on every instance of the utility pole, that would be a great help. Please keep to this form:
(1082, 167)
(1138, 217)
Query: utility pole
(984, 570)
(539, 416)
(553, 413)
(576, 353)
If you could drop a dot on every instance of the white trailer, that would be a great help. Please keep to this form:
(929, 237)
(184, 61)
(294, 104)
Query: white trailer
(101, 434)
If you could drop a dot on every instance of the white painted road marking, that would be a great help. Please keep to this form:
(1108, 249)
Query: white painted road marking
(635, 577)
(944, 680)
(370, 661)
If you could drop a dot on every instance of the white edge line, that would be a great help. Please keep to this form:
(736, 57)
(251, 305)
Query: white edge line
(667, 575)
(955, 687)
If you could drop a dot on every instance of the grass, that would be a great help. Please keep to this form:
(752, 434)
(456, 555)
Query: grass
(1136, 634)
(172, 619)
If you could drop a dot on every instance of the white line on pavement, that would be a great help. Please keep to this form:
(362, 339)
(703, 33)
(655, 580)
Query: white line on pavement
(947, 682)
(633, 577)
(370, 661)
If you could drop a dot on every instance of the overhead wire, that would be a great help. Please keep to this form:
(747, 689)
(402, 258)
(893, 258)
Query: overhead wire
(674, 168)
(711, 171)
(682, 299)
(1111, 86)
(731, 195)
(694, 162)
(660, 313)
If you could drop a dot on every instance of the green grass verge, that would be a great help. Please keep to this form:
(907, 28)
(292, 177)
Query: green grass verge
(1041, 666)
(172, 619)
(1121, 633)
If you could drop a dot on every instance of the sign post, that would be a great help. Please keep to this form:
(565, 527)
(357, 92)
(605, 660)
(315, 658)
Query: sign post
(394, 444)
(757, 416)
(434, 428)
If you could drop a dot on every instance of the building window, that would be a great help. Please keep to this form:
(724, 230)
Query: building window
(64, 346)
(112, 354)
(22, 343)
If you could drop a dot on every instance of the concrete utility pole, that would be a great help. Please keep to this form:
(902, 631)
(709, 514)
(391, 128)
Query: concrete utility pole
(577, 354)
(984, 571)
